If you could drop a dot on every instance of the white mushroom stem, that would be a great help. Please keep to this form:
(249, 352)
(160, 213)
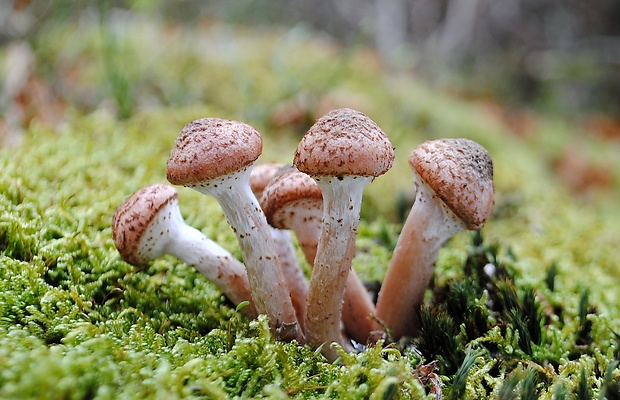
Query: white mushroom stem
(429, 225)
(247, 219)
(342, 199)
(293, 274)
(210, 259)
(454, 183)
(307, 223)
(304, 217)
(149, 224)
(343, 151)
(296, 281)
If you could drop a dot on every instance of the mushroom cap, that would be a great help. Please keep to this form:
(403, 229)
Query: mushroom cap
(460, 171)
(132, 219)
(344, 142)
(261, 175)
(289, 188)
(209, 148)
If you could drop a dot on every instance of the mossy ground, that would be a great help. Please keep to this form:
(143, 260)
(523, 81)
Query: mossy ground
(77, 322)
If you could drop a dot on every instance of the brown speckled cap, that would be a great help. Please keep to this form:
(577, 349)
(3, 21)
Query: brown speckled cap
(288, 187)
(208, 148)
(132, 219)
(460, 171)
(261, 175)
(344, 142)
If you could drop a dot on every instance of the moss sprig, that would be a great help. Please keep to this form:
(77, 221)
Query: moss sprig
(488, 307)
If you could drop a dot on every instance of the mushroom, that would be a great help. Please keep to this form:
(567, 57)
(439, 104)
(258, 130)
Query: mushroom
(454, 192)
(293, 200)
(343, 152)
(149, 224)
(293, 274)
(261, 175)
(215, 156)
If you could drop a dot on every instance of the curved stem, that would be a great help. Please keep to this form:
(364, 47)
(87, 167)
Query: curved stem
(245, 216)
(429, 224)
(214, 263)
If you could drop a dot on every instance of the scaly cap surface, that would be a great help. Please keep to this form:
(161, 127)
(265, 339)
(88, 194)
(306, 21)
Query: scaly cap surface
(208, 148)
(289, 187)
(261, 175)
(344, 142)
(132, 219)
(460, 171)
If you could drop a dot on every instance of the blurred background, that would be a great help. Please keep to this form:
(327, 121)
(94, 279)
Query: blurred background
(558, 56)
(545, 72)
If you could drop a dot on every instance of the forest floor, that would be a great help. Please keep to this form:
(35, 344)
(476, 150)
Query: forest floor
(90, 118)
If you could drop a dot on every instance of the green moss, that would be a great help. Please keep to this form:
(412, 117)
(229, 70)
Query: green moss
(77, 322)
(97, 327)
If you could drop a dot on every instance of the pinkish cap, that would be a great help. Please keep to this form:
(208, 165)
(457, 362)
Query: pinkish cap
(133, 218)
(289, 189)
(460, 171)
(208, 148)
(261, 175)
(344, 142)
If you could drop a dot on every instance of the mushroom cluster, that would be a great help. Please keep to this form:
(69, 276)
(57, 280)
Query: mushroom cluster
(318, 199)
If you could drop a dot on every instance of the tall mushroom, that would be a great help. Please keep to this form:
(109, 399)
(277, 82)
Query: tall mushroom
(293, 200)
(149, 224)
(296, 281)
(343, 152)
(454, 183)
(215, 156)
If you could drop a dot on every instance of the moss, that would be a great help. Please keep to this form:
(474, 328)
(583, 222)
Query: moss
(526, 309)
(95, 327)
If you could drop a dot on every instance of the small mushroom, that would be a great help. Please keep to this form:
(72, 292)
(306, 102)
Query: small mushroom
(343, 152)
(296, 281)
(454, 192)
(293, 200)
(149, 224)
(261, 175)
(215, 156)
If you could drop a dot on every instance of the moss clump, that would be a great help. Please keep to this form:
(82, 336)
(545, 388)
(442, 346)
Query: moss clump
(528, 341)
(77, 322)
(531, 311)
